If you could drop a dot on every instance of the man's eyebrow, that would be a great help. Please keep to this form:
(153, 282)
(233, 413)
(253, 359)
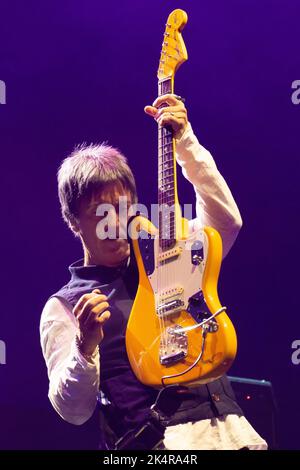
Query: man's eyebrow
(94, 204)
(114, 203)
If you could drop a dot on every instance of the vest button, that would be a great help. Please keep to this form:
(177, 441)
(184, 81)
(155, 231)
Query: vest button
(216, 397)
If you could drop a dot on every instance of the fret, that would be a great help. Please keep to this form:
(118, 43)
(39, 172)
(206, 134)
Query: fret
(165, 169)
(164, 86)
(167, 233)
(164, 133)
(168, 197)
(167, 230)
(169, 204)
(164, 193)
(170, 208)
(166, 202)
(164, 177)
(164, 157)
(167, 160)
(166, 173)
(169, 144)
(168, 217)
(166, 166)
(169, 172)
(165, 141)
(165, 186)
(167, 193)
(168, 137)
(166, 181)
(163, 160)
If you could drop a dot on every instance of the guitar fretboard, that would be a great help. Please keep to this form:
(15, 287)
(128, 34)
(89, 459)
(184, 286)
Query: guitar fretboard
(166, 178)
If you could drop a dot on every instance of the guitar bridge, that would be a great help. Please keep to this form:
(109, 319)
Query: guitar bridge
(173, 346)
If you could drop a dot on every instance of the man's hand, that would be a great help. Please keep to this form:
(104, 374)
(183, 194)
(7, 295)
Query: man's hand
(174, 114)
(91, 312)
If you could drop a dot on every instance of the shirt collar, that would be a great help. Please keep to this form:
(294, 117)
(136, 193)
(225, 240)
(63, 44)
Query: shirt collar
(102, 273)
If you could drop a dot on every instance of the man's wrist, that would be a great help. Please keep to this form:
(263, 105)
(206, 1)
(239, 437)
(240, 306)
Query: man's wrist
(185, 132)
(89, 356)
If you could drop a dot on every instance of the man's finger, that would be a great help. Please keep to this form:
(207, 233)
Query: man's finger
(169, 118)
(169, 99)
(80, 303)
(84, 299)
(178, 109)
(151, 110)
(95, 307)
(103, 317)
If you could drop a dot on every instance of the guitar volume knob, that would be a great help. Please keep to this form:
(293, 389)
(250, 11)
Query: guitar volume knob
(197, 260)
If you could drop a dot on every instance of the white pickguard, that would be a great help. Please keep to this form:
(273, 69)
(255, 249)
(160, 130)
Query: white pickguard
(180, 272)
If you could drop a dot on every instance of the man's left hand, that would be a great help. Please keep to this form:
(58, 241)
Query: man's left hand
(173, 113)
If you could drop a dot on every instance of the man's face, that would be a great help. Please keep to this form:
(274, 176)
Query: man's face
(110, 251)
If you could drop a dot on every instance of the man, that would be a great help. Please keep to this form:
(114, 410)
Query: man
(86, 319)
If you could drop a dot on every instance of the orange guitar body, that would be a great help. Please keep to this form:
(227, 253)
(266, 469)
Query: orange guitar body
(145, 328)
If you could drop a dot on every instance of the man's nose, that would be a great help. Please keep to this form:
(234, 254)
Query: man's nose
(121, 226)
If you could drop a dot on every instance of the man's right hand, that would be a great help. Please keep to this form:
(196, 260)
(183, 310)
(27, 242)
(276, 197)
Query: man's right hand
(91, 312)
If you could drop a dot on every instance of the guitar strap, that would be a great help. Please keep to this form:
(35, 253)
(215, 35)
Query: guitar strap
(150, 434)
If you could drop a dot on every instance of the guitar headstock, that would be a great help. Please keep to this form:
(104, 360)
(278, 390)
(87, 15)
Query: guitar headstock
(173, 52)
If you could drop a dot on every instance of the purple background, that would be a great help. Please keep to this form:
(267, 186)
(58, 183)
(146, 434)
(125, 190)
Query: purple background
(83, 71)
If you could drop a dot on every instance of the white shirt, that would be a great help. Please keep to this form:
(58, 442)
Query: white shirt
(74, 382)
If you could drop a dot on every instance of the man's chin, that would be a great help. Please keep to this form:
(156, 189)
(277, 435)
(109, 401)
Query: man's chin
(119, 249)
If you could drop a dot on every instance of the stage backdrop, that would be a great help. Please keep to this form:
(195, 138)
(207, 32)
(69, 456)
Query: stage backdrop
(76, 71)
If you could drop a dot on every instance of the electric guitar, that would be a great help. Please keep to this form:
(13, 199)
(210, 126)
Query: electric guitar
(177, 332)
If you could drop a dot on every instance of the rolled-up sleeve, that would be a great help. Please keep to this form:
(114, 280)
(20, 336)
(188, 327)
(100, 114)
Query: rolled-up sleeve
(73, 381)
(215, 205)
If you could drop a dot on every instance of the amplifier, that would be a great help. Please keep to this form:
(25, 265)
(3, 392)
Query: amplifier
(256, 398)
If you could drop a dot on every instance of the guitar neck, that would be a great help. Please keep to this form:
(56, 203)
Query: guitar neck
(167, 184)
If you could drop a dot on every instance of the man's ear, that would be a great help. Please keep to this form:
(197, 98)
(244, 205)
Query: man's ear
(74, 226)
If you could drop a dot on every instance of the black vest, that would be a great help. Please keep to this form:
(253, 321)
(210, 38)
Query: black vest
(130, 400)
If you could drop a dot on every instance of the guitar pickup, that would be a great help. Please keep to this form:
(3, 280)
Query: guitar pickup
(169, 254)
(171, 358)
(170, 307)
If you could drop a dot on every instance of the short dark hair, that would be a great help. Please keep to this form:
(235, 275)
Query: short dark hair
(87, 169)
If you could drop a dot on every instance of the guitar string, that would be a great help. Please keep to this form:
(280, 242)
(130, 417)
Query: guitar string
(166, 220)
(160, 197)
(164, 239)
(166, 200)
(161, 229)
